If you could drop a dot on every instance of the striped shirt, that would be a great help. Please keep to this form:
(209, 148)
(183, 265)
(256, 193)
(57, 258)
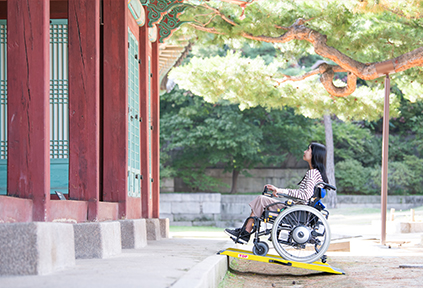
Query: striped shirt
(306, 190)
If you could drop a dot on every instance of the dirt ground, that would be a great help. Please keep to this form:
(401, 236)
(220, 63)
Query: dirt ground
(376, 271)
(368, 264)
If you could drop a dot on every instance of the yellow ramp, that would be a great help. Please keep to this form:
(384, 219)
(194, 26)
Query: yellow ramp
(274, 259)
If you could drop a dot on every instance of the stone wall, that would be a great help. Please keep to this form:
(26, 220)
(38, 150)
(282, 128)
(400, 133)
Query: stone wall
(189, 209)
(255, 183)
(215, 209)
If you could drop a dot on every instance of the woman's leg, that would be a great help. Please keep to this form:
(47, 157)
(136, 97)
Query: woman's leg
(250, 222)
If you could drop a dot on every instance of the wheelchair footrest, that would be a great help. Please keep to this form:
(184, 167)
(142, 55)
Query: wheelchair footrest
(275, 259)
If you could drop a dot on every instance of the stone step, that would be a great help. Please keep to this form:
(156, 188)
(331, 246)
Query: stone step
(39, 248)
(133, 233)
(36, 248)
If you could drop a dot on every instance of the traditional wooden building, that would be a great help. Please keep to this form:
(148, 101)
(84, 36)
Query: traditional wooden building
(79, 107)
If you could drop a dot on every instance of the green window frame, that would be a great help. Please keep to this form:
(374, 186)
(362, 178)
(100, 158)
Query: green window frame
(134, 168)
(3, 107)
(150, 125)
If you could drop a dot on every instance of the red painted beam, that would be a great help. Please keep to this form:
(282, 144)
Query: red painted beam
(69, 211)
(28, 170)
(155, 141)
(13, 209)
(115, 103)
(84, 103)
(145, 54)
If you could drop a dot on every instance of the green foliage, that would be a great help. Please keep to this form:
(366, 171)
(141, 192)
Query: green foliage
(415, 166)
(195, 135)
(265, 50)
(248, 82)
(240, 71)
(404, 178)
(353, 178)
(366, 31)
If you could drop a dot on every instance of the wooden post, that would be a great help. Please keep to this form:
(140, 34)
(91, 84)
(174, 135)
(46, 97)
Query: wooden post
(84, 103)
(155, 141)
(385, 146)
(28, 88)
(115, 103)
(385, 68)
(392, 218)
(145, 89)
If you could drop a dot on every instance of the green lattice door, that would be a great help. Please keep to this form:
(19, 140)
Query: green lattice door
(150, 125)
(134, 173)
(59, 115)
(59, 109)
(3, 108)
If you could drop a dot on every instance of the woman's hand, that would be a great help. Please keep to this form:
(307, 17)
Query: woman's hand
(272, 188)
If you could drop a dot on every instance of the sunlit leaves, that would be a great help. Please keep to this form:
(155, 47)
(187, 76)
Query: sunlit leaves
(249, 83)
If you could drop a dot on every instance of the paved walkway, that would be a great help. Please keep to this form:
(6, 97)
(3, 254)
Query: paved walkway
(160, 264)
(181, 261)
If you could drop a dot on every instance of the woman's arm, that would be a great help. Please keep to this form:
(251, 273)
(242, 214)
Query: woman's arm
(306, 189)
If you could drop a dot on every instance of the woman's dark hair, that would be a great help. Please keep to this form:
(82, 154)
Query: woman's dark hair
(318, 159)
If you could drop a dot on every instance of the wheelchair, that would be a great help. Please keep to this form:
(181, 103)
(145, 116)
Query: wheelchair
(299, 232)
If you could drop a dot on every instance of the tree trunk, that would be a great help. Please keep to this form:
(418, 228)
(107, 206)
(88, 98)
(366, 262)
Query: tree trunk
(235, 174)
(330, 165)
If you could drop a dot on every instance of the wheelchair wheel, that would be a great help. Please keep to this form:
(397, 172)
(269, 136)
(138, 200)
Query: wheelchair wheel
(301, 233)
(260, 249)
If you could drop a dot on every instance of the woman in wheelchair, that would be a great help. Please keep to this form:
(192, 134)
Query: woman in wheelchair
(315, 177)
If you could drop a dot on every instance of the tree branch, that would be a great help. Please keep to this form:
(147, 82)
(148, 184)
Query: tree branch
(365, 71)
(327, 74)
(399, 13)
(205, 29)
(217, 11)
(326, 78)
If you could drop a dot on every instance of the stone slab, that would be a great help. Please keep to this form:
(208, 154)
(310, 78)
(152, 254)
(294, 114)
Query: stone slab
(97, 240)
(164, 228)
(153, 229)
(206, 274)
(36, 248)
(211, 207)
(410, 227)
(340, 247)
(133, 233)
(165, 207)
(186, 207)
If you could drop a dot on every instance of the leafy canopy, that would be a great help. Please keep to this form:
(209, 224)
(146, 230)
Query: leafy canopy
(366, 31)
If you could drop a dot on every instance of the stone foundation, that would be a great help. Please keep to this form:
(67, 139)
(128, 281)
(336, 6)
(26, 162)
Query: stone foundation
(35, 248)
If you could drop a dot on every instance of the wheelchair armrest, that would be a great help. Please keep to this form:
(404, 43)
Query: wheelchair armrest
(326, 186)
(266, 192)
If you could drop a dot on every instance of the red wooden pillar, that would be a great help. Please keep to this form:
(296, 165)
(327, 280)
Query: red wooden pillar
(145, 89)
(28, 86)
(115, 103)
(84, 102)
(155, 141)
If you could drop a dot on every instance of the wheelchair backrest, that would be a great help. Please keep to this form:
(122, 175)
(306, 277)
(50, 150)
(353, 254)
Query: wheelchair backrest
(320, 193)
